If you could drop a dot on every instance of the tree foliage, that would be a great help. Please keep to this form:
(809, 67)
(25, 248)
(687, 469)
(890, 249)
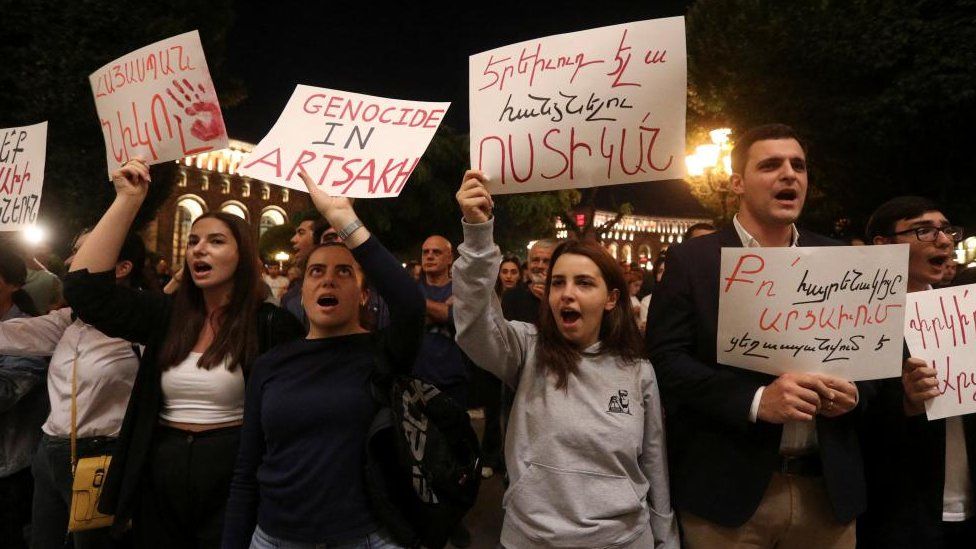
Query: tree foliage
(276, 239)
(48, 50)
(884, 92)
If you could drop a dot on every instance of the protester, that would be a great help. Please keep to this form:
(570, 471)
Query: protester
(299, 479)
(509, 275)
(522, 303)
(277, 282)
(586, 471)
(699, 229)
(948, 273)
(102, 370)
(23, 407)
(440, 362)
(415, 269)
(172, 464)
(43, 286)
(303, 241)
(759, 461)
(919, 472)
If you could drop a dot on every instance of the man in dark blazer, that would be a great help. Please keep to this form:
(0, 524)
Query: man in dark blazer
(919, 472)
(757, 460)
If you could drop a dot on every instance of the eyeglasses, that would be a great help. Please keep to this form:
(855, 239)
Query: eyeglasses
(931, 234)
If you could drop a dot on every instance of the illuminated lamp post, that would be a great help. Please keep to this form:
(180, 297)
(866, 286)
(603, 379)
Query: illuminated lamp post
(711, 165)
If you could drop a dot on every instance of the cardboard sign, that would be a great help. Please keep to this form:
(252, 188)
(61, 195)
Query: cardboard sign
(584, 109)
(158, 102)
(351, 144)
(22, 154)
(940, 328)
(831, 310)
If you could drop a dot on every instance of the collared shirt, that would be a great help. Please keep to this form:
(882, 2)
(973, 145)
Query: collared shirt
(798, 437)
(106, 370)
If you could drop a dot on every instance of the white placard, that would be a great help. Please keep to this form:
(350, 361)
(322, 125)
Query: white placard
(351, 144)
(584, 109)
(940, 328)
(22, 156)
(158, 102)
(832, 310)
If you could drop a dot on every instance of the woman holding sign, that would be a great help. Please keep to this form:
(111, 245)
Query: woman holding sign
(300, 480)
(585, 444)
(171, 469)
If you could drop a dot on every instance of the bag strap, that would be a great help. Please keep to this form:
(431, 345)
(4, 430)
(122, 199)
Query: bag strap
(74, 415)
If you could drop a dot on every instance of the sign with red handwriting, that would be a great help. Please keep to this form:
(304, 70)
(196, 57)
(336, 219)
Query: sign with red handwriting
(158, 102)
(940, 328)
(22, 155)
(584, 109)
(831, 310)
(354, 145)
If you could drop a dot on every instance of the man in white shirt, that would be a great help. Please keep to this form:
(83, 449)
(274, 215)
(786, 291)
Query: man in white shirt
(919, 472)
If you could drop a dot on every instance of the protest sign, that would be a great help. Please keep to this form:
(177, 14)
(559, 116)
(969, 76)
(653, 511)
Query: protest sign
(22, 155)
(940, 328)
(584, 109)
(830, 310)
(158, 102)
(354, 145)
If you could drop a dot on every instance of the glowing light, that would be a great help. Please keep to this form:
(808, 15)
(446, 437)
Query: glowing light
(35, 235)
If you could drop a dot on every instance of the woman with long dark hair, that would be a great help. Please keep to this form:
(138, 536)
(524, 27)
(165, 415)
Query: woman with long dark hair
(171, 469)
(300, 477)
(585, 443)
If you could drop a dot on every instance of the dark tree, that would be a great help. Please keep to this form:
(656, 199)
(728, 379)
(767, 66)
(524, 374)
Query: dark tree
(48, 48)
(884, 91)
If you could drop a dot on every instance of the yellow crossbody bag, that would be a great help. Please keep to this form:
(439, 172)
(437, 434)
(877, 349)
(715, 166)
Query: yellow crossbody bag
(89, 476)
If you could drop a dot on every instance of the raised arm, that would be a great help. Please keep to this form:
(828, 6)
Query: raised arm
(101, 249)
(383, 271)
(90, 286)
(482, 333)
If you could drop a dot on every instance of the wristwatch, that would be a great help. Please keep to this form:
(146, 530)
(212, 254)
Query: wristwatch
(347, 231)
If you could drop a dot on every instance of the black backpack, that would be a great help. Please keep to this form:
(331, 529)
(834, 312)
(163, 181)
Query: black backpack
(423, 461)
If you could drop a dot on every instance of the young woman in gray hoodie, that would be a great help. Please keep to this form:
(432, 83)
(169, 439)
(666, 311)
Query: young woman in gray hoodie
(585, 445)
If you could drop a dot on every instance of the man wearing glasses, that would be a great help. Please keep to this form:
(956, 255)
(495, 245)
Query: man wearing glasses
(919, 472)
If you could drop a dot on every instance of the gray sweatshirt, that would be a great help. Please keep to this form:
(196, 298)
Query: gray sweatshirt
(588, 466)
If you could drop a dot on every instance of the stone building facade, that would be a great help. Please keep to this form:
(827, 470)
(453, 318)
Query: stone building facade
(210, 181)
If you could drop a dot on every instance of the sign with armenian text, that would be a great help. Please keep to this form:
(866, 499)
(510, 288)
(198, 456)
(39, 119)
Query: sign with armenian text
(940, 328)
(349, 144)
(584, 109)
(159, 103)
(22, 155)
(830, 310)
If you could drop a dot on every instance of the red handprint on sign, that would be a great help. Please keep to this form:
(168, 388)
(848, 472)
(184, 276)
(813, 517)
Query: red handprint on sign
(209, 124)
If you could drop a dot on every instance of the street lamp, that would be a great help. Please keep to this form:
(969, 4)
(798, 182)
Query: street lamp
(281, 257)
(714, 162)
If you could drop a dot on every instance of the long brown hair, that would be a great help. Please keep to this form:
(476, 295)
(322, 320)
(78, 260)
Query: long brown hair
(618, 329)
(237, 337)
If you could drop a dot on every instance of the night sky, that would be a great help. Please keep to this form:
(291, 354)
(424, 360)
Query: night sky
(411, 52)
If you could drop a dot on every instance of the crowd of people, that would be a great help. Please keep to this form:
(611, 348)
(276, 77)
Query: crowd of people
(236, 400)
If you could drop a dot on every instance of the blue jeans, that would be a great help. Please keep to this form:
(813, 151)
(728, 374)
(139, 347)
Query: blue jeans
(375, 540)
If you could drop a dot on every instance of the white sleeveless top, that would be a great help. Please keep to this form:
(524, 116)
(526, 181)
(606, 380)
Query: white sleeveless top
(198, 395)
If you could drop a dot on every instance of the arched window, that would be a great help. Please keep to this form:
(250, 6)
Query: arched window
(627, 254)
(645, 252)
(613, 249)
(271, 217)
(188, 209)
(235, 208)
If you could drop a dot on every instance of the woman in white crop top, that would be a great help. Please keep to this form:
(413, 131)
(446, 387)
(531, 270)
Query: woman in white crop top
(171, 472)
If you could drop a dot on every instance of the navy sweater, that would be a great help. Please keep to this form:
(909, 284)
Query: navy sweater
(309, 405)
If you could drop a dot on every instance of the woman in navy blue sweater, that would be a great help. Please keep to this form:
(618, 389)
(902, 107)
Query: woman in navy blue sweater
(300, 477)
